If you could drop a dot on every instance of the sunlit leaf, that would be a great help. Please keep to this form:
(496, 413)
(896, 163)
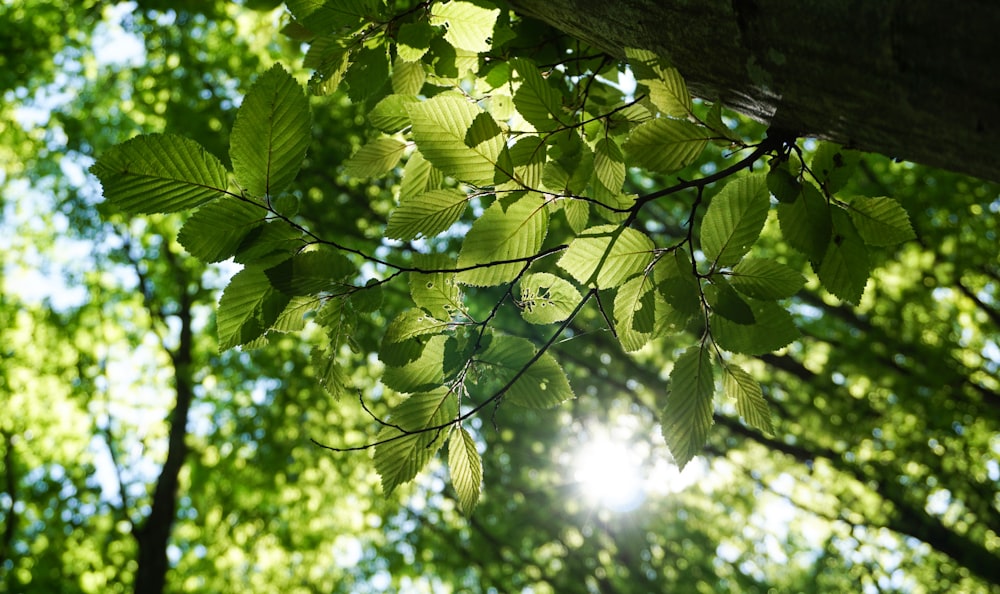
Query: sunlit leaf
(667, 90)
(466, 468)
(609, 164)
(271, 134)
(545, 298)
(665, 145)
(376, 158)
(750, 403)
(424, 371)
(159, 173)
(607, 255)
(307, 273)
(440, 128)
(438, 293)
(412, 440)
(635, 312)
(536, 100)
(501, 235)
(761, 278)
(248, 307)
(880, 221)
(426, 215)
(408, 77)
(734, 220)
(687, 416)
(469, 26)
(543, 384)
(772, 329)
(390, 114)
(216, 230)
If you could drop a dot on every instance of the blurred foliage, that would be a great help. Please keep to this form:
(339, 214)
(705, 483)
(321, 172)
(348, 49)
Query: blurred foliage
(882, 474)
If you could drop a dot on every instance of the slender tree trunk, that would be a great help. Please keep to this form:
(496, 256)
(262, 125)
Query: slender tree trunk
(912, 79)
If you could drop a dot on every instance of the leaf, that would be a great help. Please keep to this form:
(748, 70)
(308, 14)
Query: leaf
(783, 185)
(413, 40)
(727, 303)
(609, 164)
(805, 223)
(328, 373)
(845, 267)
(248, 307)
(408, 77)
(390, 114)
(424, 372)
(399, 460)
(419, 176)
(667, 90)
(439, 292)
(750, 403)
(469, 27)
(376, 158)
(216, 230)
(546, 298)
(413, 323)
(426, 215)
(159, 173)
(271, 133)
(734, 220)
(535, 99)
(665, 146)
(528, 158)
(440, 127)
(309, 273)
(466, 468)
(368, 72)
(327, 15)
(833, 165)
(543, 384)
(269, 243)
(330, 60)
(881, 221)
(635, 312)
(607, 255)
(772, 329)
(761, 278)
(499, 235)
(687, 416)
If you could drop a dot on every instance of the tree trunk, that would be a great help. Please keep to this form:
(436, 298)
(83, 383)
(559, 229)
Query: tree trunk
(911, 79)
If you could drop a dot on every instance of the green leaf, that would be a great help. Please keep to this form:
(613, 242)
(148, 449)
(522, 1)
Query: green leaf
(309, 273)
(368, 72)
(880, 221)
(419, 176)
(328, 373)
(323, 16)
(413, 323)
(845, 267)
(469, 27)
(269, 243)
(833, 165)
(750, 403)
(528, 158)
(330, 60)
(408, 77)
(667, 90)
(426, 215)
(609, 165)
(424, 372)
(734, 220)
(546, 298)
(607, 255)
(805, 223)
(440, 127)
(293, 317)
(466, 468)
(271, 134)
(677, 283)
(665, 145)
(159, 173)
(248, 307)
(687, 416)
(772, 329)
(761, 278)
(727, 303)
(390, 114)
(216, 230)
(783, 185)
(516, 233)
(635, 312)
(413, 40)
(536, 100)
(399, 460)
(376, 158)
(439, 292)
(543, 384)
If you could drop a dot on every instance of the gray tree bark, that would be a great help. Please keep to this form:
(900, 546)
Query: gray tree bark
(911, 79)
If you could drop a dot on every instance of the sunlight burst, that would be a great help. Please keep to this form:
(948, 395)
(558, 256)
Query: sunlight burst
(608, 474)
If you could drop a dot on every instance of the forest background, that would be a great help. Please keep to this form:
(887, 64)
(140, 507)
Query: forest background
(138, 455)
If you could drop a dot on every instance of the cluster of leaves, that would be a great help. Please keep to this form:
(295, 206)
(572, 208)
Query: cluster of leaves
(531, 167)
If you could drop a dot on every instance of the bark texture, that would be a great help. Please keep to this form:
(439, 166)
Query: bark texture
(911, 79)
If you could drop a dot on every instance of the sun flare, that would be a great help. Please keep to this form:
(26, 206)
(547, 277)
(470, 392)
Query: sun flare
(608, 474)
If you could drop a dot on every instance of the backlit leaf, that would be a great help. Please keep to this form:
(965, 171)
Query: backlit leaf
(426, 215)
(687, 416)
(308, 273)
(469, 26)
(750, 403)
(635, 312)
(609, 164)
(399, 460)
(607, 255)
(543, 384)
(499, 235)
(159, 173)
(880, 221)
(248, 307)
(664, 145)
(772, 329)
(761, 278)
(376, 158)
(734, 220)
(216, 230)
(545, 298)
(440, 127)
(466, 468)
(270, 134)
(805, 223)
(536, 100)
(845, 268)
